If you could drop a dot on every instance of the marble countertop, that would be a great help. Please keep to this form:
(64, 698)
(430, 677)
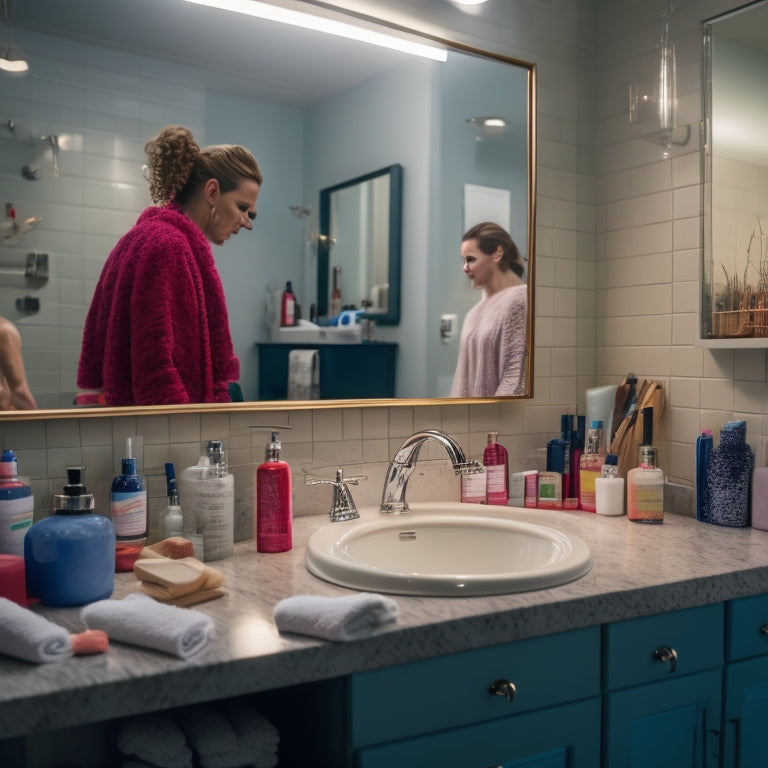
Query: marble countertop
(638, 570)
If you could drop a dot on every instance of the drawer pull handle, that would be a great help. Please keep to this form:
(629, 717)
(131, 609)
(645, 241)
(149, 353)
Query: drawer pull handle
(665, 653)
(764, 629)
(504, 688)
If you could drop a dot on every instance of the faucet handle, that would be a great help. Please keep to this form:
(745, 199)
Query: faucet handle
(343, 505)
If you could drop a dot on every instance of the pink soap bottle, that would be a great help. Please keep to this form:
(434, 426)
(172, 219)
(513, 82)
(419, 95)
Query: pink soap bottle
(274, 513)
(496, 463)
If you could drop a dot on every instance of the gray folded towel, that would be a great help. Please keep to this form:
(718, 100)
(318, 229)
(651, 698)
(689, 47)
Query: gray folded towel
(335, 618)
(140, 620)
(156, 740)
(27, 635)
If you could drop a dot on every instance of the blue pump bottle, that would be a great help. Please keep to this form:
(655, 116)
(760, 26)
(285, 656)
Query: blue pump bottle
(69, 557)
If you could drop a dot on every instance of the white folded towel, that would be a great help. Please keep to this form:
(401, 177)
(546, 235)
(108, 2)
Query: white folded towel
(155, 739)
(27, 635)
(335, 618)
(140, 620)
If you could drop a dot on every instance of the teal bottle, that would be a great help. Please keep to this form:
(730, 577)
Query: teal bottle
(69, 557)
(729, 476)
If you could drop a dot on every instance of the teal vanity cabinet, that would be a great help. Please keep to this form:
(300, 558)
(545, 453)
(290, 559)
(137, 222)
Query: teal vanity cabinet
(745, 739)
(663, 677)
(347, 371)
(533, 702)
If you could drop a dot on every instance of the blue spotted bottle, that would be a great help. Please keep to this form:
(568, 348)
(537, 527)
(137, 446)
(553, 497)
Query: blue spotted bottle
(729, 476)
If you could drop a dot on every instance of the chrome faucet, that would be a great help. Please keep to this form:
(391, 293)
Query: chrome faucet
(404, 461)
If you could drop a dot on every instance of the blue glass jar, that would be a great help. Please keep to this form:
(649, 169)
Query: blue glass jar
(70, 557)
(729, 475)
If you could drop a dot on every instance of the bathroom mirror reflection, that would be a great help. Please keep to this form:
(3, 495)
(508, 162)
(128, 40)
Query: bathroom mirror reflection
(103, 80)
(734, 303)
(358, 254)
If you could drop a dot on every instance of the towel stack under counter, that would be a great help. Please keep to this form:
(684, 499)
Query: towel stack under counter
(229, 734)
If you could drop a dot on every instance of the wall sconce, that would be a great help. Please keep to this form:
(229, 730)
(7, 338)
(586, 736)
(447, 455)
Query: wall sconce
(12, 59)
(665, 98)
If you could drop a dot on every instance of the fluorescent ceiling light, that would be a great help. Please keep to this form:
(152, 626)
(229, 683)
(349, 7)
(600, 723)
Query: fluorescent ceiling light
(12, 60)
(324, 24)
(469, 2)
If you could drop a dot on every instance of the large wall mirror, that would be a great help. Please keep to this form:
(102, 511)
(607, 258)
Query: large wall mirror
(319, 112)
(734, 303)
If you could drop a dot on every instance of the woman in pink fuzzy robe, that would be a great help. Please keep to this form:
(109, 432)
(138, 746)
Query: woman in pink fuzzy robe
(157, 329)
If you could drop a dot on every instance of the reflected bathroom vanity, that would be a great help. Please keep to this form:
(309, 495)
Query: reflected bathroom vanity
(364, 370)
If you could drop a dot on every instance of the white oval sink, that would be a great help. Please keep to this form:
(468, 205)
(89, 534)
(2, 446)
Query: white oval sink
(446, 549)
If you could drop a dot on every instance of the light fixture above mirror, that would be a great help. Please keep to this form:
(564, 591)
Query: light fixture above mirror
(328, 24)
(12, 60)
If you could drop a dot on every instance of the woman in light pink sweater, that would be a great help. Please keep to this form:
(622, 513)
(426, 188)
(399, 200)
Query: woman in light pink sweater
(493, 336)
(157, 330)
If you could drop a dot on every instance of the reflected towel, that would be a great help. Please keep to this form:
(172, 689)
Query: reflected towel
(140, 620)
(335, 618)
(31, 637)
(303, 374)
(155, 739)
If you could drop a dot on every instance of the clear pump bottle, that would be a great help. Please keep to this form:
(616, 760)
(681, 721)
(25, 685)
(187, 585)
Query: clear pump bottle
(645, 483)
(591, 465)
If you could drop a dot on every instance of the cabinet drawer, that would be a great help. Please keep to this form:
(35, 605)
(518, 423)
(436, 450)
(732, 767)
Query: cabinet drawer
(455, 690)
(746, 627)
(695, 635)
(567, 735)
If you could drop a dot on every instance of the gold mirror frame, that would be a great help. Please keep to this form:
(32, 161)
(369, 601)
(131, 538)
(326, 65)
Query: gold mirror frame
(283, 405)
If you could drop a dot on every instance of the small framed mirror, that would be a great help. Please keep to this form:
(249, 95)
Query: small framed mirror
(360, 246)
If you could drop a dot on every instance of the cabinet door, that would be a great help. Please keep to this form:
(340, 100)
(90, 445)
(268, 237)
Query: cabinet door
(746, 713)
(559, 737)
(674, 724)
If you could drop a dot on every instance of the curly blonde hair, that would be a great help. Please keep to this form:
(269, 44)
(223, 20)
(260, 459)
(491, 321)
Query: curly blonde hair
(178, 168)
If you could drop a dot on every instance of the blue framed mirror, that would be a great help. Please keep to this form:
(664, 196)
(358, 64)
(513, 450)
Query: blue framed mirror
(360, 246)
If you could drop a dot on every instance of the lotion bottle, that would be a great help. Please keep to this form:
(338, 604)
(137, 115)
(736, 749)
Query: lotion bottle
(609, 488)
(69, 557)
(645, 483)
(173, 520)
(209, 501)
(496, 463)
(591, 465)
(335, 307)
(17, 505)
(288, 306)
(274, 505)
(128, 506)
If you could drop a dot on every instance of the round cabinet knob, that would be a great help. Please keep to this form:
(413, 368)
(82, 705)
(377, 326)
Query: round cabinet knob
(503, 688)
(665, 653)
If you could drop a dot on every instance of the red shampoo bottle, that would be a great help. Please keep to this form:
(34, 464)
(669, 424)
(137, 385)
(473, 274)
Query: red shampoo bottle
(274, 512)
(496, 464)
